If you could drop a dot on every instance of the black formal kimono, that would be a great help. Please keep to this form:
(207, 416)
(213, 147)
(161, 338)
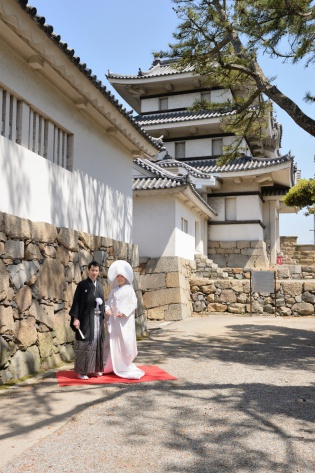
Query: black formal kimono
(88, 352)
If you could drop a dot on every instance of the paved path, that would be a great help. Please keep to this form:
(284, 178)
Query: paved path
(244, 402)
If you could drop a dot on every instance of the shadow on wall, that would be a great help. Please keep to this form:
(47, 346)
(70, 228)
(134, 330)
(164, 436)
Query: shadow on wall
(83, 203)
(17, 190)
(39, 190)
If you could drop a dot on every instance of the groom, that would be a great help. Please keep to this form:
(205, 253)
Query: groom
(87, 315)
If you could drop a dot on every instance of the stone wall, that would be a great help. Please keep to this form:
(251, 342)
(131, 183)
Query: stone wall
(165, 285)
(294, 297)
(239, 254)
(40, 267)
(294, 253)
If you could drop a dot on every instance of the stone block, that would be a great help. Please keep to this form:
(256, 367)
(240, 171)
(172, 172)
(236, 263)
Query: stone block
(69, 272)
(284, 311)
(44, 232)
(67, 352)
(177, 312)
(101, 257)
(196, 281)
(16, 227)
(51, 280)
(236, 308)
(153, 281)
(303, 308)
(308, 297)
(161, 297)
(84, 257)
(32, 252)
(120, 250)
(213, 244)
(225, 284)
(25, 363)
(69, 293)
(21, 273)
(165, 264)
(217, 307)
(283, 273)
(25, 331)
(4, 280)
(87, 240)
(13, 249)
(227, 295)
(23, 298)
(62, 255)
(3, 237)
(49, 251)
(42, 313)
(227, 244)
(52, 361)
(64, 334)
(218, 259)
(262, 262)
(243, 244)
(239, 261)
(45, 343)
(157, 313)
(68, 238)
(176, 280)
(5, 352)
(308, 286)
(209, 289)
(6, 320)
(292, 288)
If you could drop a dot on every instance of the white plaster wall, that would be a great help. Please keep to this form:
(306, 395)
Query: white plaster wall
(94, 151)
(248, 207)
(36, 189)
(153, 225)
(157, 227)
(95, 154)
(185, 242)
(183, 100)
(235, 232)
(203, 147)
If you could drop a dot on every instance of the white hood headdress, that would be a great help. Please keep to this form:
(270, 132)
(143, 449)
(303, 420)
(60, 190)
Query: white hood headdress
(120, 267)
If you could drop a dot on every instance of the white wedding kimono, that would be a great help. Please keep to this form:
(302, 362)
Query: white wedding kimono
(120, 348)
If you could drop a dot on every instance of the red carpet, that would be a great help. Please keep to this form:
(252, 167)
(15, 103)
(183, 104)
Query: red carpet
(152, 373)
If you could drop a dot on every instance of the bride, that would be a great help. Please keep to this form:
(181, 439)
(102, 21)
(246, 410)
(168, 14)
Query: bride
(120, 348)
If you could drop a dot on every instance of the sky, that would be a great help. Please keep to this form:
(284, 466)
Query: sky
(121, 36)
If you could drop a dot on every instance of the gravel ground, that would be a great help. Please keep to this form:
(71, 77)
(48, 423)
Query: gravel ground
(243, 402)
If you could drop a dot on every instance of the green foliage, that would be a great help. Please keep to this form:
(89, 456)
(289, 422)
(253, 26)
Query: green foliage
(221, 38)
(302, 195)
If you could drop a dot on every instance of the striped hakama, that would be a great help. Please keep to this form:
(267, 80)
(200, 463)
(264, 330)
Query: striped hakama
(89, 354)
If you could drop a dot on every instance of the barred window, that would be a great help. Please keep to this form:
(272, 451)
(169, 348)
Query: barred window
(27, 127)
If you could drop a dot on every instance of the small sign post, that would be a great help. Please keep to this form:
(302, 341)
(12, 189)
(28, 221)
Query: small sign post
(262, 281)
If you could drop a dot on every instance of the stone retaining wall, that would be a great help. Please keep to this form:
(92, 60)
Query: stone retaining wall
(40, 267)
(293, 297)
(294, 253)
(165, 285)
(239, 254)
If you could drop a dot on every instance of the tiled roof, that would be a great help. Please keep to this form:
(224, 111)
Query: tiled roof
(154, 167)
(170, 163)
(163, 180)
(245, 163)
(49, 30)
(152, 182)
(158, 68)
(181, 116)
(274, 190)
